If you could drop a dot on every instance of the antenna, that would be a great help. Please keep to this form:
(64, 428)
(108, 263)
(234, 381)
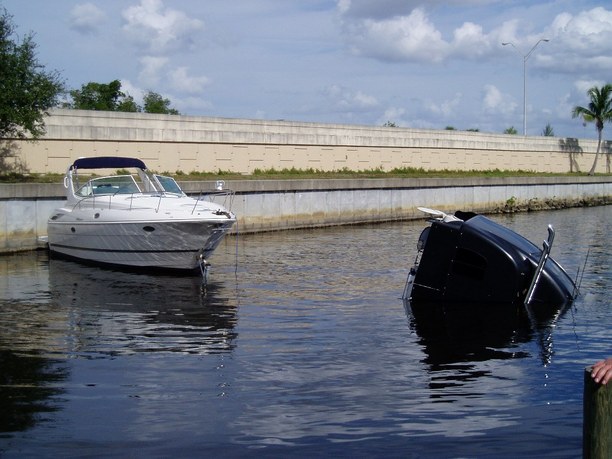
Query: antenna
(583, 270)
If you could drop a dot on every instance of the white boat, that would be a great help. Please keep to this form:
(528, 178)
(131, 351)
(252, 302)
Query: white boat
(135, 219)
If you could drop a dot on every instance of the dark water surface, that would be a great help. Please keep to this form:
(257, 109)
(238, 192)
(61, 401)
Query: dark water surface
(300, 346)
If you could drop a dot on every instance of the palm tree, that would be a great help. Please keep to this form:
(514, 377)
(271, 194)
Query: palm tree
(599, 111)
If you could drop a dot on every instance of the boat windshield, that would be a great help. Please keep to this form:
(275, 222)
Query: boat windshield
(116, 184)
(169, 184)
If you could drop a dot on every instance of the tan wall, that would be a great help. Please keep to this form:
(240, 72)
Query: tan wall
(181, 143)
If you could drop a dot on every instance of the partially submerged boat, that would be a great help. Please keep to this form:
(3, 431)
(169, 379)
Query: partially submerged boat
(135, 218)
(466, 258)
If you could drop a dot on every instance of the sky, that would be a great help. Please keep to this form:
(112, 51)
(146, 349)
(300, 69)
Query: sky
(417, 64)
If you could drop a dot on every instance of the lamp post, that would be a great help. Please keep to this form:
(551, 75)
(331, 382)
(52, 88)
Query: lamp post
(525, 58)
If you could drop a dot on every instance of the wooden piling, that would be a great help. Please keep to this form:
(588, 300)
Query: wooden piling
(597, 419)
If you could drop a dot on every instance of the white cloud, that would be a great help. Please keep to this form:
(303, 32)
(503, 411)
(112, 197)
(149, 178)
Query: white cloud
(344, 6)
(364, 100)
(411, 37)
(447, 108)
(414, 37)
(564, 105)
(86, 18)
(152, 68)
(129, 88)
(496, 102)
(378, 9)
(159, 30)
(393, 115)
(181, 81)
(579, 44)
(508, 31)
(589, 32)
(389, 8)
(347, 99)
(470, 41)
(582, 86)
(188, 104)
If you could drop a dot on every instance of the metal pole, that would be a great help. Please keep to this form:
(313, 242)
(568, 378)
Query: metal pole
(525, 96)
(525, 58)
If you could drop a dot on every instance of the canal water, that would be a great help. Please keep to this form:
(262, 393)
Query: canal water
(299, 346)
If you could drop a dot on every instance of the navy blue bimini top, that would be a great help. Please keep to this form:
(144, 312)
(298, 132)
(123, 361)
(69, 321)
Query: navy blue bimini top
(107, 162)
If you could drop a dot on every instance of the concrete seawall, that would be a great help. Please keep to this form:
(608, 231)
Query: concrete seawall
(269, 205)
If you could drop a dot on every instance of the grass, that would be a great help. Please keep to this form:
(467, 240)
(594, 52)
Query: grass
(15, 177)
(408, 172)
(293, 173)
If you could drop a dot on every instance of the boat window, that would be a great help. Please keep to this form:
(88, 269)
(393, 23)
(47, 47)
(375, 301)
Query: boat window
(469, 263)
(117, 184)
(169, 184)
(85, 190)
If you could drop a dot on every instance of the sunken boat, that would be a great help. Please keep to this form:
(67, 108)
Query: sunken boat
(468, 259)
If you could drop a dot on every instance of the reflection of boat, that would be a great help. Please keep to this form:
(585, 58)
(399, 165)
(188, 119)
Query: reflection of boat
(458, 331)
(136, 219)
(461, 331)
(467, 258)
(139, 312)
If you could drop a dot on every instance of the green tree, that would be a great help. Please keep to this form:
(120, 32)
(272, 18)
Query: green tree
(511, 130)
(97, 96)
(155, 103)
(548, 131)
(27, 90)
(389, 124)
(109, 97)
(599, 111)
(127, 104)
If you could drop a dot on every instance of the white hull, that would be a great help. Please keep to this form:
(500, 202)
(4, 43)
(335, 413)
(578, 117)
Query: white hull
(172, 245)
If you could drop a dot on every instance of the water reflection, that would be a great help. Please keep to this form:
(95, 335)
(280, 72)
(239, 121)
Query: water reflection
(122, 312)
(458, 337)
(76, 311)
(456, 332)
(28, 386)
(83, 310)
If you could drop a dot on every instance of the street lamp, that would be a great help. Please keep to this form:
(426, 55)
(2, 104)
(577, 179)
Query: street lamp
(525, 57)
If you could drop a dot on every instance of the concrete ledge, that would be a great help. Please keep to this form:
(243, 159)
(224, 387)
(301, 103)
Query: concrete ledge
(266, 186)
(271, 205)
(63, 124)
(56, 190)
